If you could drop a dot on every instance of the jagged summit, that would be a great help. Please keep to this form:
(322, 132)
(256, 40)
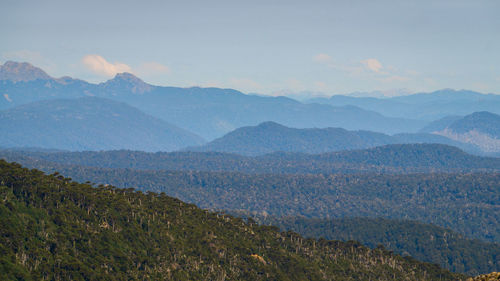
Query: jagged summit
(127, 80)
(21, 71)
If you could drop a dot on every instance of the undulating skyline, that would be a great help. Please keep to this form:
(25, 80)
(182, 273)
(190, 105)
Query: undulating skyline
(266, 47)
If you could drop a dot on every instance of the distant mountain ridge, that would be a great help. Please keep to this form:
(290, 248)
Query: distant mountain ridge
(208, 112)
(89, 123)
(423, 106)
(269, 137)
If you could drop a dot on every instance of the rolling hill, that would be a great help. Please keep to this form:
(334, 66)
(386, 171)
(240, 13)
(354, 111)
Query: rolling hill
(393, 159)
(272, 137)
(481, 129)
(89, 123)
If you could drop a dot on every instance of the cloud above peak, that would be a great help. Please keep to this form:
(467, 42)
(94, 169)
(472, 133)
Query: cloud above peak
(101, 66)
(372, 65)
(151, 68)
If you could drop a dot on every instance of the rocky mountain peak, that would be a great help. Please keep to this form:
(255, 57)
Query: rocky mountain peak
(128, 81)
(21, 71)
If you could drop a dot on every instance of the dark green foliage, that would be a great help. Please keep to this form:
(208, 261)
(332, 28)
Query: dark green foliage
(466, 203)
(56, 229)
(397, 158)
(424, 242)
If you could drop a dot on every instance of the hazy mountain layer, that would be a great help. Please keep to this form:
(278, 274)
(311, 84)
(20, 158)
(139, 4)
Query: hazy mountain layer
(89, 124)
(424, 106)
(208, 112)
(271, 137)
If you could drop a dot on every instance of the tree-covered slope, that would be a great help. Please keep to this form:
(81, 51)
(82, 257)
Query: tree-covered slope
(404, 158)
(272, 137)
(269, 137)
(424, 242)
(481, 129)
(484, 122)
(56, 229)
(468, 203)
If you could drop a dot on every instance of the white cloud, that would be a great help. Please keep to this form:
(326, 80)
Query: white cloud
(152, 68)
(101, 66)
(373, 65)
(322, 58)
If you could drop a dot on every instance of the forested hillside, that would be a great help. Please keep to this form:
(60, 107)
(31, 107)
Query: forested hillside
(269, 137)
(405, 158)
(424, 242)
(466, 203)
(56, 229)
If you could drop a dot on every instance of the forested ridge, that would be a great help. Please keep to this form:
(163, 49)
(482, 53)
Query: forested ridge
(397, 158)
(55, 229)
(466, 203)
(425, 242)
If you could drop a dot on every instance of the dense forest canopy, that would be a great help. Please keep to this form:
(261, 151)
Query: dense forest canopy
(422, 241)
(467, 203)
(54, 228)
(404, 158)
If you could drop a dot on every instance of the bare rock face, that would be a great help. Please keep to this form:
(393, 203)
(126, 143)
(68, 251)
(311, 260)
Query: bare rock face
(494, 276)
(21, 71)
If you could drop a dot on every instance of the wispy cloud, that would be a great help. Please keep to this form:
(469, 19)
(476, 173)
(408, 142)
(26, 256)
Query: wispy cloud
(372, 65)
(101, 66)
(152, 68)
(368, 68)
(323, 58)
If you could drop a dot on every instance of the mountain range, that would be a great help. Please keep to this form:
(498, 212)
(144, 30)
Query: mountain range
(208, 112)
(421, 106)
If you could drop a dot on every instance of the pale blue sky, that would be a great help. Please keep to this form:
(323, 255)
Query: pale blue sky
(267, 47)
